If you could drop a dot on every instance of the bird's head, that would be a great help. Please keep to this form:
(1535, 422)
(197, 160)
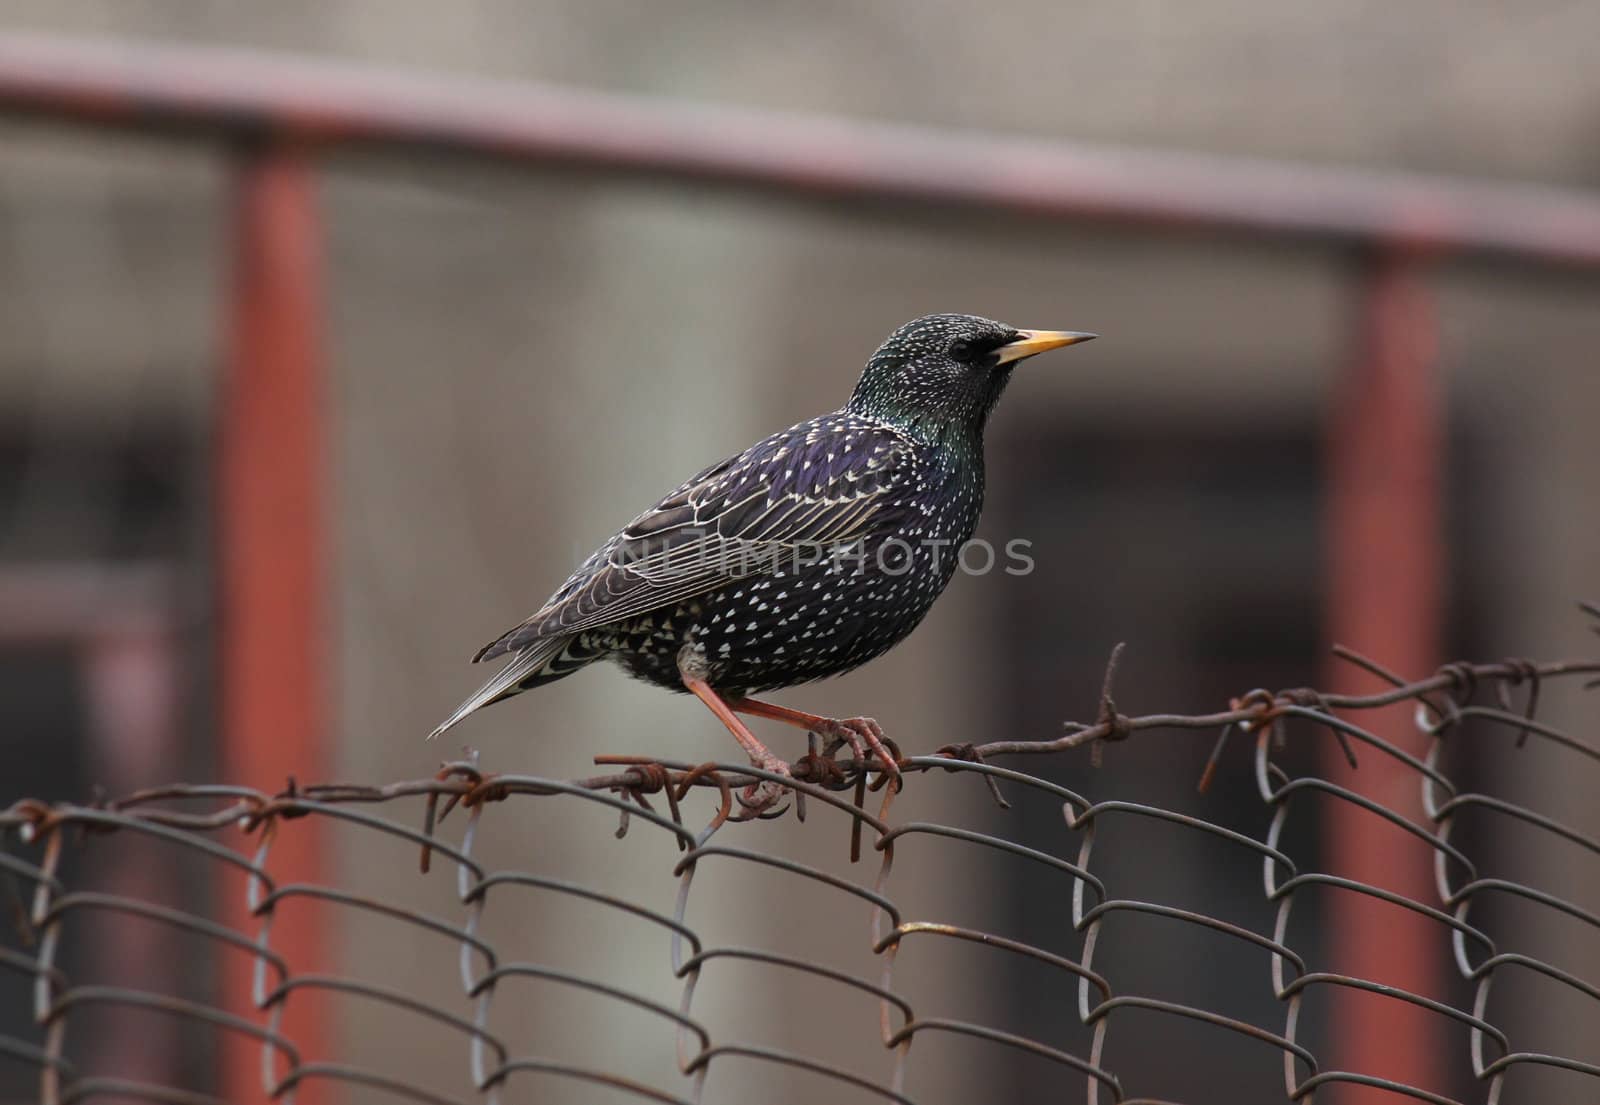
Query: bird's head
(942, 374)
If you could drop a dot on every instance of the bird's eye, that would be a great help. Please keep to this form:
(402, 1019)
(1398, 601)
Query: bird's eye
(961, 350)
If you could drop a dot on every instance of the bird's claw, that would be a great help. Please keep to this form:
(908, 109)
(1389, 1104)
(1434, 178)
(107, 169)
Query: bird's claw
(863, 734)
(760, 798)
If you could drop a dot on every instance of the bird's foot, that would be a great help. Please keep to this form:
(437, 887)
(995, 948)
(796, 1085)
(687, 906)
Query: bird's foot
(760, 798)
(862, 734)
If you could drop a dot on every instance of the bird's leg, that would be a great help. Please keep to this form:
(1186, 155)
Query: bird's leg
(852, 730)
(757, 797)
(835, 731)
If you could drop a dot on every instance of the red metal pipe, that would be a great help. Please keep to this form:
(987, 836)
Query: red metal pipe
(1384, 597)
(233, 92)
(271, 551)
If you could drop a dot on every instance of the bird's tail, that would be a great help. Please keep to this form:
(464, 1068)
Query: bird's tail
(524, 671)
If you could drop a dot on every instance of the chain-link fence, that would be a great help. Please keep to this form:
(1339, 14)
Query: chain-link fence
(687, 817)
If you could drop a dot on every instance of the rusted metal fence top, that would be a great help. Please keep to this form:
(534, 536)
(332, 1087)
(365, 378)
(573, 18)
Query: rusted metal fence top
(1456, 712)
(242, 95)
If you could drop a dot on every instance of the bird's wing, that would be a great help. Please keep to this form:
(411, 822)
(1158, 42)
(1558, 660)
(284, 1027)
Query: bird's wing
(799, 494)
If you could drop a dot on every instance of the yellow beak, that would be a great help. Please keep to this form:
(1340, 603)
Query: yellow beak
(1030, 342)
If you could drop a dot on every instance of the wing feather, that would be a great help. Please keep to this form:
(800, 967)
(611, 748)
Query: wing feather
(827, 482)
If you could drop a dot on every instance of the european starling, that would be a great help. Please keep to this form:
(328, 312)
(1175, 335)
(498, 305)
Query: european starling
(806, 555)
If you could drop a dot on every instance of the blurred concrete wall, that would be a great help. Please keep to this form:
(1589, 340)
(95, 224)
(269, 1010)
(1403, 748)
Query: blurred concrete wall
(521, 362)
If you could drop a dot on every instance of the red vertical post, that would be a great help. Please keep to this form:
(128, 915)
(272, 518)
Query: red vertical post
(1384, 595)
(271, 548)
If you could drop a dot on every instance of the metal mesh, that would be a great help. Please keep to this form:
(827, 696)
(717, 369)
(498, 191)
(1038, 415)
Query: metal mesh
(695, 809)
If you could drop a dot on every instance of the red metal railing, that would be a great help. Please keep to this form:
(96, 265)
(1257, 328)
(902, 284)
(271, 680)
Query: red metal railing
(276, 113)
(226, 93)
(274, 642)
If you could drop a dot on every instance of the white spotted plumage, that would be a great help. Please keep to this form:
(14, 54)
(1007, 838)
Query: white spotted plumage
(725, 563)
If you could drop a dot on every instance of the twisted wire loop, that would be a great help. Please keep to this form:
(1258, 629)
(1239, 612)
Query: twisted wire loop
(1459, 709)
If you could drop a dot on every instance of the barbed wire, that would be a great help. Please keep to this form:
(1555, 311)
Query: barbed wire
(189, 817)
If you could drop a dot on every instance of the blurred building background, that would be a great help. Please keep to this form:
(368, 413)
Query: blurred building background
(520, 359)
